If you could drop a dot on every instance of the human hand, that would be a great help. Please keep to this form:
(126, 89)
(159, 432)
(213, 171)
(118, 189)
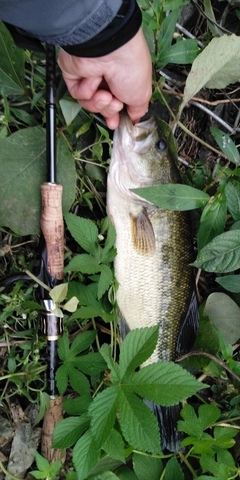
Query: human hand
(105, 84)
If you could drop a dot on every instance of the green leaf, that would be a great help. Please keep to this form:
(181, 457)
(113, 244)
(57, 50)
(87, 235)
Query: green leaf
(136, 348)
(225, 314)
(212, 220)
(124, 473)
(166, 32)
(78, 381)
(222, 254)
(71, 305)
(114, 446)
(164, 383)
(42, 463)
(82, 342)
(84, 231)
(21, 180)
(69, 109)
(59, 293)
(69, 430)
(85, 455)
(44, 404)
(181, 53)
(138, 423)
(105, 351)
(215, 67)
(91, 364)
(77, 406)
(83, 263)
(173, 470)
(226, 144)
(230, 283)
(173, 196)
(105, 280)
(63, 347)
(194, 425)
(103, 414)
(62, 378)
(232, 191)
(12, 65)
(148, 467)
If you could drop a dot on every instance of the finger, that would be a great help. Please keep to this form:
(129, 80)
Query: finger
(83, 89)
(135, 113)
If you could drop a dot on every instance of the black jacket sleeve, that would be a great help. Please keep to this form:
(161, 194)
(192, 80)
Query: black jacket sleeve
(86, 28)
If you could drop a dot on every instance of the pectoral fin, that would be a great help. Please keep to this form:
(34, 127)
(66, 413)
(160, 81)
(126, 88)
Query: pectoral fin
(143, 236)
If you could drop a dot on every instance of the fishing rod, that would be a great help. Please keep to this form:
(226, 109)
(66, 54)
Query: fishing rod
(52, 261)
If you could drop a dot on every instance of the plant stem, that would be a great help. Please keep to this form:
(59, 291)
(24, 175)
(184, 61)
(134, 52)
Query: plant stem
(8, 473)
(211, 357)
(189, 466)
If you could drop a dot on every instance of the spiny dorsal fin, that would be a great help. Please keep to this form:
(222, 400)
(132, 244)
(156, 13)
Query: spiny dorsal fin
(143, 236)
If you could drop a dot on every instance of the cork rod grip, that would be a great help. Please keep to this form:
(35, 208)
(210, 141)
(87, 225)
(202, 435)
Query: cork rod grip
(53, 228)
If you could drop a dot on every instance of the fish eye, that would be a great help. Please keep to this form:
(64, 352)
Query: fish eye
(161, 145)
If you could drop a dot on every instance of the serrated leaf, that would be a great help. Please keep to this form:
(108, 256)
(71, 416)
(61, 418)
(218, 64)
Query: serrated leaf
(136, 348)
(174, 196)
(77, 406)
(85, 455)
(21, 180)
(114, 446)
(225, 314)
(222, 254)
(147, 467)
(59, 293)
(230, 283)
(232, 191)
(181, 53)
(62, 378)
(105, 351)
(103, 414)
(71, 305)
(226, 145)
(42, 463)
(138, 423)
(212, 220)
(215, 67)
(63, 347)
(12, 65)
(69, 109)
(173, 470)
(79, 381)
(83, 263)
(84, 231)
(105, 280)
(69, 430)
(82, 341)
(164, 383)
(91, 364)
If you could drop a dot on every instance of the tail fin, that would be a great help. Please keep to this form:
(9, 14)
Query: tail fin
(167, 418)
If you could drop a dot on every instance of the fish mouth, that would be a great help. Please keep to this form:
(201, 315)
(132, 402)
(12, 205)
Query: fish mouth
(137, 132)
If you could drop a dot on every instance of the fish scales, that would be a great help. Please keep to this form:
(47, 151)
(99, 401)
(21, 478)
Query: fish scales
(154, 245)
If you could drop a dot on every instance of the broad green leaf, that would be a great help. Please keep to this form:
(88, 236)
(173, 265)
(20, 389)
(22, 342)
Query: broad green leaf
(147, 467)
(85, 455)
(212, 221)
(44, 404)
(77, 406)
(225, 314)
(42, 463)
(59, 293)
(164, 383)
(69, 109)
(125, 473)
(173, 470)
(136, 348)
(63, 347)
(104, 476)
(115, 446)
(222, 254)
(226, 144)
(181, 53)
(62, 378)
(83, 263)
(90, 364)
(84, 231)
(105, 463)
(173, 196)
(230, 283)
(105, 280)
(12, 65)
(215, 67)
(82, 341)
(166, 32)
(103, 414)
(22, 171)
(232, 191)
(79, 382)
(195, 425)
(138, 423)
(69, 430)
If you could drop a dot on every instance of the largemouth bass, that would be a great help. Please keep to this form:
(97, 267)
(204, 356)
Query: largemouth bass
(154, 245)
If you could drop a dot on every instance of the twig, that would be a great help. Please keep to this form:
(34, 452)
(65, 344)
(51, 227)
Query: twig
(211, 357)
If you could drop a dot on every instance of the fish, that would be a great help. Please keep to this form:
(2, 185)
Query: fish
(154, 251)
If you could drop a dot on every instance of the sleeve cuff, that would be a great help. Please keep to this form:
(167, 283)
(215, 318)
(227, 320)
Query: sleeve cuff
(124, 27)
